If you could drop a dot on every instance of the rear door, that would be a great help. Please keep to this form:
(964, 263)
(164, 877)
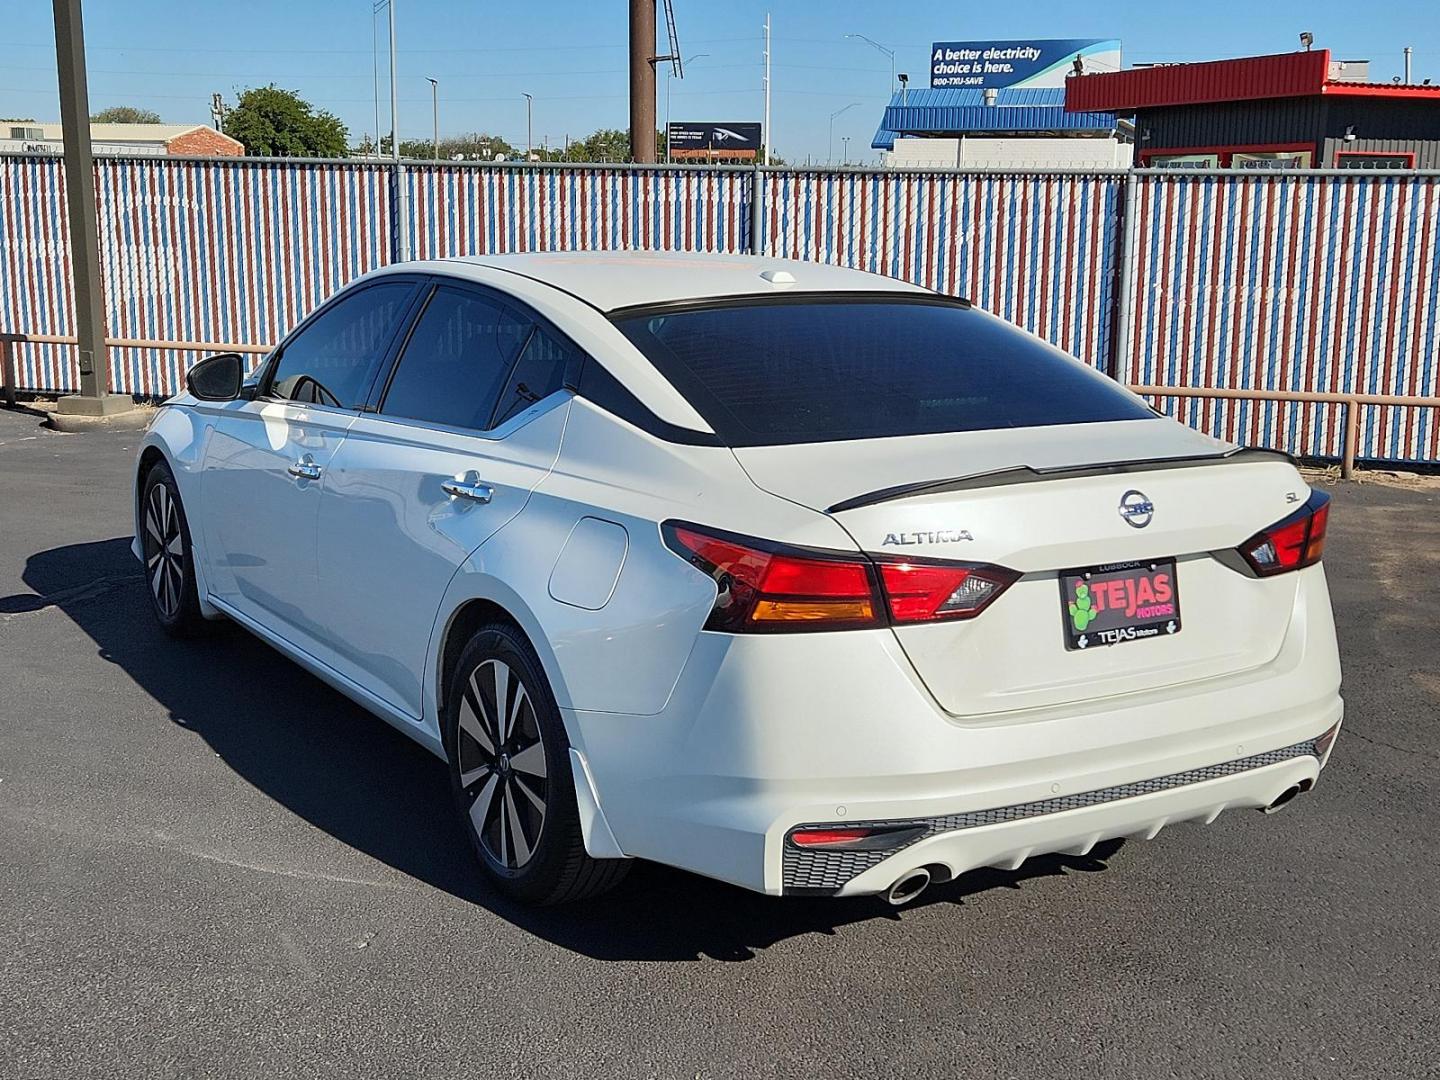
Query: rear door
(469, 423)
(265, 460)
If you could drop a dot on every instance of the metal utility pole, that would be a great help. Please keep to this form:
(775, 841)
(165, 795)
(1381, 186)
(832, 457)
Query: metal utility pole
(882, 48)
(844, 149)
(529, 128)
(94, 398)
(435, 113)
(642, 81)
(765, 125)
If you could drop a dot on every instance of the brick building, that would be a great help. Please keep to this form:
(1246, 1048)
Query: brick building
(149, 140)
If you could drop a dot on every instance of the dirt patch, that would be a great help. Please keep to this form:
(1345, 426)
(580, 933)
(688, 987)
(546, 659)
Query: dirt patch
(1400, 478)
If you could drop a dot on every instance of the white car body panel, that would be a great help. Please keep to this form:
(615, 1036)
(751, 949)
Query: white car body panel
(704, 749)
(383, 485)
(261, 523)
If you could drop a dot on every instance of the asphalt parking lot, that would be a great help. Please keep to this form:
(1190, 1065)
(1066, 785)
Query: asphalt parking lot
(212, 865)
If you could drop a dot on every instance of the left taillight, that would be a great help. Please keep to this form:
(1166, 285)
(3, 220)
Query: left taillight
(767, 587)
(1292, 543)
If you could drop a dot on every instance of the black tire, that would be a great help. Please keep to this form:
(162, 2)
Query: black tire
(169, 573)
(513, 787)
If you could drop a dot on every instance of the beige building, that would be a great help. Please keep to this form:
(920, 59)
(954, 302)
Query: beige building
(150, 140)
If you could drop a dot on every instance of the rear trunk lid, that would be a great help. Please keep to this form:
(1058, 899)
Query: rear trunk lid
(1048, 500)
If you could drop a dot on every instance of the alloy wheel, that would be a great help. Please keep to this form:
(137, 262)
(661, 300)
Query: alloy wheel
(164, 551)
(501, 760)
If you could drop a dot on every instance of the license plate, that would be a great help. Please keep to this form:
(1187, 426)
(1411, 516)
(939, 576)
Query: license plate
(1110, 605)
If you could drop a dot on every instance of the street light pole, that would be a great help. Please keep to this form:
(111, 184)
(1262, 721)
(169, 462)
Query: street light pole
(882, 48)
(435, 113)
(402, 203)
(830, 150)
(844, 149)
(669, 75)
(375, 69)
(529, 128)
(394, 92)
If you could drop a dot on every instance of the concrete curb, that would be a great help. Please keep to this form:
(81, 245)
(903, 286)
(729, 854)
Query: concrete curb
(136, 419)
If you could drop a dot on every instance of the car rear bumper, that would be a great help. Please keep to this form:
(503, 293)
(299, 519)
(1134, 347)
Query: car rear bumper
(766, 733)
(1066, 824)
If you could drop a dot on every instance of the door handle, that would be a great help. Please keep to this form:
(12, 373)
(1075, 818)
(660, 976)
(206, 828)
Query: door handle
(467, 486)
(305, 469)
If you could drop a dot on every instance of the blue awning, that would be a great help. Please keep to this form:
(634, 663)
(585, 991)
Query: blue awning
(961, 112)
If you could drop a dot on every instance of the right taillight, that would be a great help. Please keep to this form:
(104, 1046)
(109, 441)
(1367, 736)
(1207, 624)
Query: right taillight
(1292, 543)
(936, 591)
(764, 587)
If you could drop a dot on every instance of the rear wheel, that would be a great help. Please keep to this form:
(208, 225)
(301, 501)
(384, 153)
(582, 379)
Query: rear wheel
(169, 557)
(510, 773)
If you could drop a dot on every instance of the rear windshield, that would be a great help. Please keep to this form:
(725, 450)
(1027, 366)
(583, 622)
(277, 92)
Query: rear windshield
(825, 369)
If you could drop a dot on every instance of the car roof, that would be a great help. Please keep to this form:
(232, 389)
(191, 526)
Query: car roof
(608, 280)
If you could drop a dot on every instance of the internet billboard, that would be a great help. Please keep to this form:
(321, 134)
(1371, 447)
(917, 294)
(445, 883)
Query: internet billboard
(1001, 64)
(713, 142)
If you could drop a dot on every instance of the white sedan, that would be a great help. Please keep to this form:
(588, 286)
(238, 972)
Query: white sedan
(802, 578)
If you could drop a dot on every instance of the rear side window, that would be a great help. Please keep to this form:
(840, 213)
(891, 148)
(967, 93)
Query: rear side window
(332, 360)
(828, 369)
(538, 373)
(457, 361)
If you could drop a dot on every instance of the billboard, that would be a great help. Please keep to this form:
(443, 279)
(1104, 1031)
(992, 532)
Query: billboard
(713, 142)
(1000, 64)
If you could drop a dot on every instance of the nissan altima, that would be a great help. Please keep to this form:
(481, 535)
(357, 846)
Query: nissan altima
(795, 576)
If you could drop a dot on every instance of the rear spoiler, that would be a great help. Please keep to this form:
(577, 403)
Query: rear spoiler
(1028, 474)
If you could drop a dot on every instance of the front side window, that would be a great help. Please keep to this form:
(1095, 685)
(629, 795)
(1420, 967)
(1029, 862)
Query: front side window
(831, 368)
(332, 360)
(457, 361)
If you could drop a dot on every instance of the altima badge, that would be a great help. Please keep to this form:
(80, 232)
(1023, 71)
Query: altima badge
(937, 536)
(1136, 509)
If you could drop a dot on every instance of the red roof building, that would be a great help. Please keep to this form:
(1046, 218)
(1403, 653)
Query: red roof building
(1292, 110)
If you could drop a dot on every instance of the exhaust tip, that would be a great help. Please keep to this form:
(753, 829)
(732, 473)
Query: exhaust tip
(908, 887)
(1283, 799)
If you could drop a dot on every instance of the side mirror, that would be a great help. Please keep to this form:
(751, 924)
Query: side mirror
(217, 378)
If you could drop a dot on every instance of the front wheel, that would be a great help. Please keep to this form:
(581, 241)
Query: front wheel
(169, 556)
(510, 773)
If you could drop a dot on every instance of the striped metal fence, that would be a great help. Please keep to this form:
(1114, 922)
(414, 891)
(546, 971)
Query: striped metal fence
(1292, 282)
(1036, 249)
(190, 250)
(463, 210)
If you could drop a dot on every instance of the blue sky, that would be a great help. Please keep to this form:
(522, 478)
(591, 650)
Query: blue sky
(169, 55)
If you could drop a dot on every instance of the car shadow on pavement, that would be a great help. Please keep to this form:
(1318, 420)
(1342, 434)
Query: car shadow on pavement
(349, 774)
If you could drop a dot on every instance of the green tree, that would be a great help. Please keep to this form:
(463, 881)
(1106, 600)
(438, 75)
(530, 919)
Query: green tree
(607, 144)
(271, 122)
(474, 146)
(125, 114)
